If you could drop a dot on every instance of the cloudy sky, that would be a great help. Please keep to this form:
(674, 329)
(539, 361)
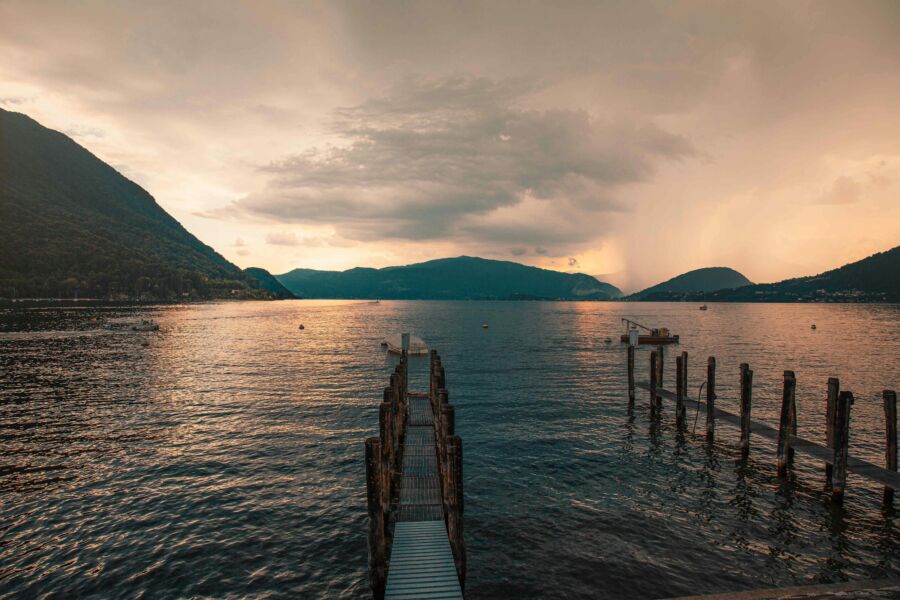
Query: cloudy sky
(631, 141)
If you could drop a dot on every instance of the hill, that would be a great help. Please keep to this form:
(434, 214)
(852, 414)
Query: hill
(708, 279)
(458, 278)
(70, 223)
(872, 279)
(268, 282)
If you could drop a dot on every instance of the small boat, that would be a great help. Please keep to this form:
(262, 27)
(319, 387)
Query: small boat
(145, 325)
(813, 326)
(704, 307)
(301, 326)
(653, 337)
(654, 340)
(484, 325)
(394, 344)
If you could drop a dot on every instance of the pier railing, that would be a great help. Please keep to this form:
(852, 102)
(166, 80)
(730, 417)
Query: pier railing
(834, 453)
(415, 491)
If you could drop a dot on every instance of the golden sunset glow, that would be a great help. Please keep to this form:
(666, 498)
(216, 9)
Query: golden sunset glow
(630, 142)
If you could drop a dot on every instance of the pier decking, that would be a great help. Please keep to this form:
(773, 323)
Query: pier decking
(415, 493)
(421, 564)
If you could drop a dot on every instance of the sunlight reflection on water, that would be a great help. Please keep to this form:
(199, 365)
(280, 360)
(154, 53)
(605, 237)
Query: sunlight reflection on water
(225, 457)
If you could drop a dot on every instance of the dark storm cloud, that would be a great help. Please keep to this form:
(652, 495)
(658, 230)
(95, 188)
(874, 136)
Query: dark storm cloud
(425, 159)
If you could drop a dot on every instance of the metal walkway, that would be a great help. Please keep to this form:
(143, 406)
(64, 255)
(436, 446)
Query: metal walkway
(421, 562)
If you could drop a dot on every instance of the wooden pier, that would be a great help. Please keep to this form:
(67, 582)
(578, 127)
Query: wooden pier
(415, 492)
(834, 453)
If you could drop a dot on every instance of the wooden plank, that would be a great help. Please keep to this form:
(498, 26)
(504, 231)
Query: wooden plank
(803, 446)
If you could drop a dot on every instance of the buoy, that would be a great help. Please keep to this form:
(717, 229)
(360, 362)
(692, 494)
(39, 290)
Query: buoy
(301, 326)
(813, 326)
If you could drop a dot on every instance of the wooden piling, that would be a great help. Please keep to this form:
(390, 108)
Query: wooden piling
(841, 445)
(834, 388)
(786, 423)
(679, 391)
(630, 374)
(711, 398)
(890, 448)
(394, 438)
(653, 373)
(386, 467)
(376, 536)
(660, 360)
(684, 372)
(455, 508)
(746, 396)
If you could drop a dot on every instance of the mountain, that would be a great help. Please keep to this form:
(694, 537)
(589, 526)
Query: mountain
(70, 223)
(708, 279)
(268, 282)
(463, 277)
(872, 279)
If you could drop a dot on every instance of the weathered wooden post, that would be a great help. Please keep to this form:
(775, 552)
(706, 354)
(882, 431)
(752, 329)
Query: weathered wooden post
(679, 391)
(660, 359)
(787, 423)
(386, 466)
(455, 512)
(630, 374)
(684, 369)
(711, 399)
(841, 444)
(653, 373)
(443, 427)
(448, 421)
(377, 542)
(746, 395)
(394, 439)
(890, 448)
(834, 388)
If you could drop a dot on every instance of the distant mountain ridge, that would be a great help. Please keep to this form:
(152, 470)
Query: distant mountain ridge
(71, 224)
(268, 282)
(708, 279)
(460, 278)
(872, 279)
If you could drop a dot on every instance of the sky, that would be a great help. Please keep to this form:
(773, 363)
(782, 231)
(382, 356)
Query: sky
(632, 141)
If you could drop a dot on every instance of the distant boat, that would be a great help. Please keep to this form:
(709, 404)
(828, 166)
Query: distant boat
(484, 325)
(813, 326)
(394, 344)
(654, 336)
(302, 326)
(704, 307)
(145, 325)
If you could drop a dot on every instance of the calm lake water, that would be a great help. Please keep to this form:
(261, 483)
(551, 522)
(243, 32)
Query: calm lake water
(223, 455)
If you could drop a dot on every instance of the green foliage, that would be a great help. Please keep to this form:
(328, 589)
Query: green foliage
(69, 223)
(708, 279)
(872, 279)
(463, 277)
(268, 282)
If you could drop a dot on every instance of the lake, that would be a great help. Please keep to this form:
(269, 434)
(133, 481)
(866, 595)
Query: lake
(223, 455)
